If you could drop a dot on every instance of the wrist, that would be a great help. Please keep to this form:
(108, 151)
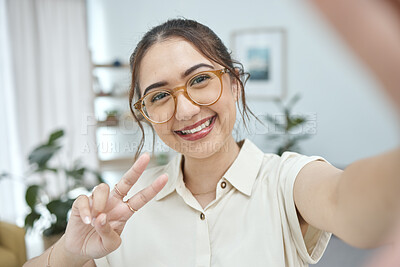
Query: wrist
(60, 255)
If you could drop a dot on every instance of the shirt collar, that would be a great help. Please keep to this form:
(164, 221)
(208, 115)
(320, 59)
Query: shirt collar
(174, 171)
(241, 174)
(244, 170)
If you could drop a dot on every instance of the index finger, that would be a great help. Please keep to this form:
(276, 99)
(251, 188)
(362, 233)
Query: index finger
(131, 176)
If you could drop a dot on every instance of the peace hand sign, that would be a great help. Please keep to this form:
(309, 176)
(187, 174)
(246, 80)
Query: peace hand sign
(97, 221)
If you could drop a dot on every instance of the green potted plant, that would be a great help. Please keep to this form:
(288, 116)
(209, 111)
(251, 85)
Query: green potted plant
(46, 208)
(286, 136)
(112, 118)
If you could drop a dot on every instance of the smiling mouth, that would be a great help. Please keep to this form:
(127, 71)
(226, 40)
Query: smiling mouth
(195, 129)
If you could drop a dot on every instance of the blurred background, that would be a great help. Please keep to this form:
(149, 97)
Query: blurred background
(64, 83)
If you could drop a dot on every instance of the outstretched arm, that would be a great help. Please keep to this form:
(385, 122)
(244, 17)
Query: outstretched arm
(359, 204)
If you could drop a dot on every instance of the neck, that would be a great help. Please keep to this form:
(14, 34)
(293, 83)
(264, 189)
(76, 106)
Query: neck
(202, 175)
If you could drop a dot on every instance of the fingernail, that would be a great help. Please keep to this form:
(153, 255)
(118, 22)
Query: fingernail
(86, 220)
(103, 221)
(93, 221)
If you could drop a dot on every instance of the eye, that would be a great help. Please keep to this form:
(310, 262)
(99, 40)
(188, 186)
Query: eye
(202, 78)
(159, 96)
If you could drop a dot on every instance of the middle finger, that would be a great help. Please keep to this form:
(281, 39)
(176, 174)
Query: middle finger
(122, 188)
(145, 195)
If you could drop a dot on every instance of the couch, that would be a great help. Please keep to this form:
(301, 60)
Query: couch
(12, 245)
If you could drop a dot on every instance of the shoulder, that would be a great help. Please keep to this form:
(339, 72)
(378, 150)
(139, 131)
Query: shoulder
(289, 161)
(285, 168)
(275, 162)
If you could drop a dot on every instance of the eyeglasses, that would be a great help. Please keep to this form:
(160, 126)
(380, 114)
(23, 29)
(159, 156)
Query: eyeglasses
(203, 89)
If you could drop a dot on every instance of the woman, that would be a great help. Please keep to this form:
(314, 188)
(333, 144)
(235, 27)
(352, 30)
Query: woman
(225, 203)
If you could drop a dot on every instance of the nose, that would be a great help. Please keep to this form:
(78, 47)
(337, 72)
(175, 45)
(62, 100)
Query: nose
(185, 108)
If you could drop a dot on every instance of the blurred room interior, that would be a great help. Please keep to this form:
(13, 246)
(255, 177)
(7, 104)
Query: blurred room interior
(65, 65)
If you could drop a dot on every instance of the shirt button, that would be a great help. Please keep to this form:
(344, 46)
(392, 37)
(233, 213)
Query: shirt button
(202, 216)
(223, 184)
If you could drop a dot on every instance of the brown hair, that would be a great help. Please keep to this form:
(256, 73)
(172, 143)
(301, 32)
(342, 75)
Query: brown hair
(205, 40)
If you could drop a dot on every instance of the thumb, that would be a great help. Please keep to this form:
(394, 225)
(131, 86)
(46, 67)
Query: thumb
(110, 239)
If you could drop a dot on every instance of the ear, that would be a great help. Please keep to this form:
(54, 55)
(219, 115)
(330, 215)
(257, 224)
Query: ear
(236, 88)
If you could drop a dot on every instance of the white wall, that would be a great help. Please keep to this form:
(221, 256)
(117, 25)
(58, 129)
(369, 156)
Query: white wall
(354, 119)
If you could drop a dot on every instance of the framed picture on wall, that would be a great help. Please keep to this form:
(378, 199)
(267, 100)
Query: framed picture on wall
(263, 54)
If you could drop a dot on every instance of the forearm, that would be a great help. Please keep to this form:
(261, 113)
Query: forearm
(58, 256)
(368, 199)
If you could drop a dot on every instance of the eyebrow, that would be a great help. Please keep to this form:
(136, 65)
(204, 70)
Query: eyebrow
(185, 74)
(154, 85)
(195, 67)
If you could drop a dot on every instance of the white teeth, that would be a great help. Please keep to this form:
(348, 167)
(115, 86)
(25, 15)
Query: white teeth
(198, 128)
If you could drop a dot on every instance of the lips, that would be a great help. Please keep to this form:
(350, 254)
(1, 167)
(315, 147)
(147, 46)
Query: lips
(198, 130)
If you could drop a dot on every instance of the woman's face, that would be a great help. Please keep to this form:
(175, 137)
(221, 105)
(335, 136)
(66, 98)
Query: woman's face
(166, 63)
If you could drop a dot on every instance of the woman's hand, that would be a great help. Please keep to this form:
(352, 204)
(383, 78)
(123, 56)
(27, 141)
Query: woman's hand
(97, 221)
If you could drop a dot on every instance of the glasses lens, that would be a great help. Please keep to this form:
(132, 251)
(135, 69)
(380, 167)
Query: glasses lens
(204, 88)
(158, 106)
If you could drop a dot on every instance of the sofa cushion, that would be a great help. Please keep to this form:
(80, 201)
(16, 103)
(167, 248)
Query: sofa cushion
(7, 259)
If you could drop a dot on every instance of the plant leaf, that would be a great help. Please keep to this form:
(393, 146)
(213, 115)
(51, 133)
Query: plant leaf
(275, 122)
(270, 119)
(298, 120)
(293, 100)
(31, 196)
(31, 218)
(45, 168)
(55, 136)
(77, 174)
(60, 208)
(45, 151)
(42, 154)
(295, 121)
(54, 229)
(301, 137)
